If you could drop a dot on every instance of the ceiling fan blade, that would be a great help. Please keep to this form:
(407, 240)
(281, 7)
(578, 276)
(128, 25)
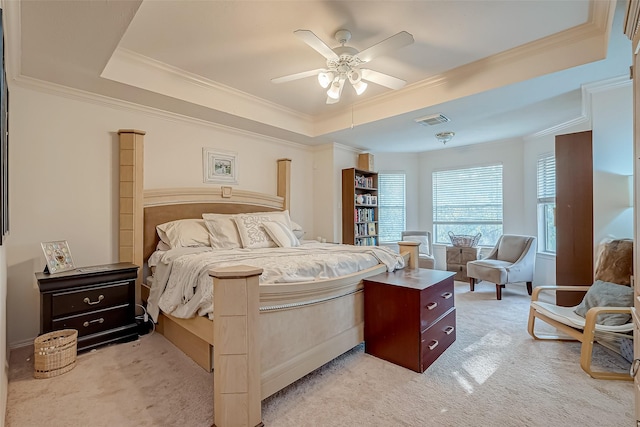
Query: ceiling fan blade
(392, 43)
(297, 76)
(312, 40)
(382, 79)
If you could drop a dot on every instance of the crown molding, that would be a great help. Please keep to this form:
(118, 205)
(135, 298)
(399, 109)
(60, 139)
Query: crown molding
(137, 70)
(118, 104)
(585, 117)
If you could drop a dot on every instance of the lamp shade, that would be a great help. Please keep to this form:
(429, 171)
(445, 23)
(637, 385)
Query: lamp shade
(325, 78)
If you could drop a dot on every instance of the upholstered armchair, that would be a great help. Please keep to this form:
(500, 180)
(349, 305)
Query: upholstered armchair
(425, 250)
(512, 260)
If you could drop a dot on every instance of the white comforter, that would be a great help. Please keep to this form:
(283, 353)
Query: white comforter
(183, 288)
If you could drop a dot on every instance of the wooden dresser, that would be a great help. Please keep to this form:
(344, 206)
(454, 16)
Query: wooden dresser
(457, 259)
(409, 316)
(98, 301)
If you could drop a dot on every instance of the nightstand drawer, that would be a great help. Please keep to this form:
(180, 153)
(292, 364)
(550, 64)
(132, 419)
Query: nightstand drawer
(434, 302)
(96, 321)
(437, 339)
(79, 301)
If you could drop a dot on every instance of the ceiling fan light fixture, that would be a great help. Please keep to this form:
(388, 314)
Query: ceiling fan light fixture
(336, 89)
(445, 137)
(325, 78)
(360, 87)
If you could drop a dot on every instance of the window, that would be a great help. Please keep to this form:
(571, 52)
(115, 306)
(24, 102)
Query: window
(468, 201)
(547, 202)
(391, 207)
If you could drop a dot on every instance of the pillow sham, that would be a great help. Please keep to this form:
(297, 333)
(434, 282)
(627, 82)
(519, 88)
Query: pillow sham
(223, 233)
(281, 234)
(606, 294)
(183, 233)
(252, 233)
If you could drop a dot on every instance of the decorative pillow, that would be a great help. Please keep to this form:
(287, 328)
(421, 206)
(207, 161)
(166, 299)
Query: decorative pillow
(184, 233)
(424, 243)
(299, 233)
(606, 294)
(252, 234)
(223, 233)
(281, 234)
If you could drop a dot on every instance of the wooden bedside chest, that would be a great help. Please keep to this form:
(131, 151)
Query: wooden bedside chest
(98, 301)
(409, 316)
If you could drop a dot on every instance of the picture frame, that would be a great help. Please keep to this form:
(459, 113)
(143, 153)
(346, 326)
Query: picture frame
(58, 256)
(219, 166)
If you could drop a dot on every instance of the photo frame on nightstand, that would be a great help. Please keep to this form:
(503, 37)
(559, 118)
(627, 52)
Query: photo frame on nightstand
(58, 256)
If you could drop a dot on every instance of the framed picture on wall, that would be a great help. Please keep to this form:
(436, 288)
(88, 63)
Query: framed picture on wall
(219, 166)
(58, 256)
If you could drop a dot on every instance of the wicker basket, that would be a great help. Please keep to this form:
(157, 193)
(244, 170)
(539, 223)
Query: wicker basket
(464, 241)
(55, 353)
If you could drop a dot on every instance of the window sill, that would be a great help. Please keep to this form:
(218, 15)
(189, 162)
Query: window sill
(547, 255)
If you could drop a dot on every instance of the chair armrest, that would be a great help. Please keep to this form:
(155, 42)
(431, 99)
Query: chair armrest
(593, 312)
(552, 288)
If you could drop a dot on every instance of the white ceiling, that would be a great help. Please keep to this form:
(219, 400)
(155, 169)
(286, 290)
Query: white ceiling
(497, 69)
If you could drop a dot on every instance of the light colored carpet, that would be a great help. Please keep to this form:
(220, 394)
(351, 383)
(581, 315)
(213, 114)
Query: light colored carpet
(495, 374)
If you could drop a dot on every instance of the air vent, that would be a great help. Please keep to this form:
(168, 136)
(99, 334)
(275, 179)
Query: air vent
(434, 119)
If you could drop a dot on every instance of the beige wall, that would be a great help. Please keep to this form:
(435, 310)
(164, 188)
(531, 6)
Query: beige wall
(64, 184)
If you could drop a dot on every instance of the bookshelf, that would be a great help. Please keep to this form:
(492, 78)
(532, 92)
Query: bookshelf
(359, 207)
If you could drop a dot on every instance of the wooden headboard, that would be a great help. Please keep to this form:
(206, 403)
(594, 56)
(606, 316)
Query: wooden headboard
(140, 211)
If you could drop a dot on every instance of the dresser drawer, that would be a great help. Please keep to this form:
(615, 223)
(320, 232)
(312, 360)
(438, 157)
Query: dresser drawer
(82, 300)
(96, 321)
(437, 339)
(434, 302)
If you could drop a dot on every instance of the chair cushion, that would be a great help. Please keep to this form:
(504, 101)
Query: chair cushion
(491, 270)
(567, 316)
(511, 247)
(605, 294)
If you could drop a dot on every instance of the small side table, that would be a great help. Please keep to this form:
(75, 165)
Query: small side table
(98, 301)
(457, 259)
(409, 316)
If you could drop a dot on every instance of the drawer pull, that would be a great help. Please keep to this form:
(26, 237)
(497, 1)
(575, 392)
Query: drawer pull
(433, 344)
(447, 295)
(88, 301)
(449, 329)
(633, 371)
(86, 324)
(432, 305)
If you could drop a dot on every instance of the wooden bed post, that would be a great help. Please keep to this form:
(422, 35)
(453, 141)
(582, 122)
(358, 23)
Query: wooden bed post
(131, 200)
(410, 248)
(237, 397)
(284, 181)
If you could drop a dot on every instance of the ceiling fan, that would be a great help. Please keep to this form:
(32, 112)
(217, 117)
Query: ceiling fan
(343, 63)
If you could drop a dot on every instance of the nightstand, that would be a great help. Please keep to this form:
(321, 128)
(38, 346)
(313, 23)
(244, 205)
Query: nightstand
(409, 316)
(98, 301)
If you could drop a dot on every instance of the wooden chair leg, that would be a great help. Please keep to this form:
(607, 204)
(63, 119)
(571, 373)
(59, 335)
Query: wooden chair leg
(499, 291)
(529, 287)
(472, 283)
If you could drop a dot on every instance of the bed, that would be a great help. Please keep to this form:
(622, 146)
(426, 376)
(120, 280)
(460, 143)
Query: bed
(266, 336)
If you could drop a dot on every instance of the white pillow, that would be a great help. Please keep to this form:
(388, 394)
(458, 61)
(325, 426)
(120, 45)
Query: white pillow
(281, 234)
(253, 234)
(223, 233)
(183, 233)
(297, 230)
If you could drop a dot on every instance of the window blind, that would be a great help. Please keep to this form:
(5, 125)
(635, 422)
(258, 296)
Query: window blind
(546, 178)
(391, 206)
(468, 201)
